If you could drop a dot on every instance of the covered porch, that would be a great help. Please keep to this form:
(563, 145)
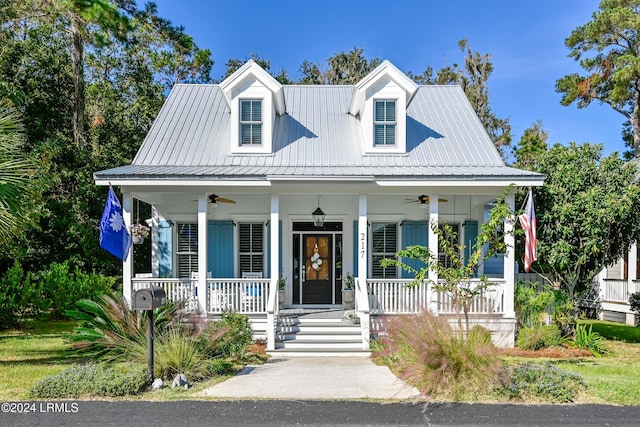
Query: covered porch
(203, 253)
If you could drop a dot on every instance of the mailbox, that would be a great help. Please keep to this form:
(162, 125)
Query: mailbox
(149, 298)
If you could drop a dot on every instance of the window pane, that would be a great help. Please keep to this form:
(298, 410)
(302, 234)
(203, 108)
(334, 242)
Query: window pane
(390, 111)
(390, 135)
(256, 113)
(379, 116)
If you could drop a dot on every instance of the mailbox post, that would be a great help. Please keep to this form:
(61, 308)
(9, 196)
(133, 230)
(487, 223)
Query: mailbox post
(149, 299)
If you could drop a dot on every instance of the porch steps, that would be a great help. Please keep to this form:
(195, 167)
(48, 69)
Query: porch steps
(300, 336)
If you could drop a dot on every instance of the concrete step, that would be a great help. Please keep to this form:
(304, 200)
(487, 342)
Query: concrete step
(318, 337)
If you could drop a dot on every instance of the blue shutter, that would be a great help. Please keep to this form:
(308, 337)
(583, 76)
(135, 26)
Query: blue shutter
(220, 260)
(470, 238)
(355, 248)
(165, 249)
(414, 233)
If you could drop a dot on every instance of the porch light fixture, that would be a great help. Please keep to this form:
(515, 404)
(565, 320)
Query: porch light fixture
(318, 216)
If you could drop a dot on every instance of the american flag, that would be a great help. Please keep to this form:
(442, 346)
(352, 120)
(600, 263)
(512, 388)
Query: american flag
(528, 222)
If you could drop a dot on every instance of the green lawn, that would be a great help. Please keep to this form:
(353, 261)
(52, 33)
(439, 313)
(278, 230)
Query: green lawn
(29, 355)
(615, 377)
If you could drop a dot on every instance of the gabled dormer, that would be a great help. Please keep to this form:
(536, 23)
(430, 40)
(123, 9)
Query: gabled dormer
(380, 102)
(254, 98)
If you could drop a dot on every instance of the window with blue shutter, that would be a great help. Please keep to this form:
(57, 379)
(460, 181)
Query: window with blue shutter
(384, 123)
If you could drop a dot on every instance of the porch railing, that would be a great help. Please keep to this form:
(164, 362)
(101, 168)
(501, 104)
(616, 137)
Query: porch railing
(175, 289)
(248, 296)
(394, 296)
(489, 301)
(619, 290)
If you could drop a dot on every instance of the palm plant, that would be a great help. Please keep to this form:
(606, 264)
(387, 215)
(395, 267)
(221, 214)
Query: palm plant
(16, 173)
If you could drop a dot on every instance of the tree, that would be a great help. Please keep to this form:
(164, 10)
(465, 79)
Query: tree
(16, 176)
(613, 74)
(473, 76)
(125, 78)
(588, 213)
(343, 68)
(531, 148)
(456, 277)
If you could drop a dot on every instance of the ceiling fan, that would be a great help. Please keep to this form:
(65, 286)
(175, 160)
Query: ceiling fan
(423, 200)
(214, 198)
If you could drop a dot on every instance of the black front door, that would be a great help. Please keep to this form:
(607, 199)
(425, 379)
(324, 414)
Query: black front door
(317, 268)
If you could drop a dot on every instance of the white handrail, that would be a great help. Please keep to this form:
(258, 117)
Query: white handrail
(363, 310)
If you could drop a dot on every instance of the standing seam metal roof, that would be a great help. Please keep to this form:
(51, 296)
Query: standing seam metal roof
(317, 137)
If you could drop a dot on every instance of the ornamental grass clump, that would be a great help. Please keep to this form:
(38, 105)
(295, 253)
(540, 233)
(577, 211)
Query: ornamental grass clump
(424, 351)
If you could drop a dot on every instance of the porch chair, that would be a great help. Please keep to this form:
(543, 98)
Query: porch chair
(251, 292)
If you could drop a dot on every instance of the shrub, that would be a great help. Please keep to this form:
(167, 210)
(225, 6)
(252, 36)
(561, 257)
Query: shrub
(589, 340)
(541, 381)
(176, 353)
(51, 292)
(64, 285)
(424, 351)
(20, 297)
(540, 337)
(228, 337)
(109, 327)
(91, 379)
(531, 304)
(634, 305)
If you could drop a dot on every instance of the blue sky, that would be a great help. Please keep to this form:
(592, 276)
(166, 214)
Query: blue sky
(525, 39)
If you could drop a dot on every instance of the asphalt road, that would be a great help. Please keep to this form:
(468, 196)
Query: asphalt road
(308, 413)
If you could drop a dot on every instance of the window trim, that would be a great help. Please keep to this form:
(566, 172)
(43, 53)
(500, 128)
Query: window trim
(372, 253)
(385, 123)
(191, 253)
(251, 253)
(250, 122)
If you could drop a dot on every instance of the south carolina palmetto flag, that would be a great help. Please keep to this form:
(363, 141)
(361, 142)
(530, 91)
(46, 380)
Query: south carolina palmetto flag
(528, 222)
(114, 236)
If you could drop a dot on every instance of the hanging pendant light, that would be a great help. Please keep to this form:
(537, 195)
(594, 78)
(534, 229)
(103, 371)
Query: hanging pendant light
(318, 216)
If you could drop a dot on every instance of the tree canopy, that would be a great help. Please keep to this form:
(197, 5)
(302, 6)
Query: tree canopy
(608, 49)
(588, 213)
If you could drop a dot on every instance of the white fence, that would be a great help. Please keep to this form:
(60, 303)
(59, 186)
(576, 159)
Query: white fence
(395, 296)
(240, 295)
(618, 290)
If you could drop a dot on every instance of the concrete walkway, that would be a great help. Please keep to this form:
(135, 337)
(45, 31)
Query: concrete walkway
(311, 378)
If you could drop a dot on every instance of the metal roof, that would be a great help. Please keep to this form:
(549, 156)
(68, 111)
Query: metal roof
(316, 138)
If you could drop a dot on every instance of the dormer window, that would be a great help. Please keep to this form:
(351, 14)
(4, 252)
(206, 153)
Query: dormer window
(384, 123)
(251, 122)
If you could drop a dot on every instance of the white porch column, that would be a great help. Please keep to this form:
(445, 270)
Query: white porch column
(362, 292)
(632, 263)
(275, 240)
(509, 260)
(432, 296)
(363, 240)
(272, 303)
(127, 264)
(202, 254)
(155, 262)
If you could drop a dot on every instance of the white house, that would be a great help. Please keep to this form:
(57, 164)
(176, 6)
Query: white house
(235, 170)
